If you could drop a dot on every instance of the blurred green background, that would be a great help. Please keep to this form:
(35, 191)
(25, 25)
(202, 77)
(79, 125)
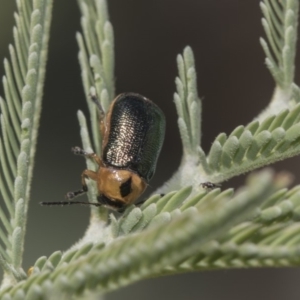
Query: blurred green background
(233, 82)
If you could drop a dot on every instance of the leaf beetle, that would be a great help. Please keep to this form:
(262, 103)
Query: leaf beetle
(133, 131)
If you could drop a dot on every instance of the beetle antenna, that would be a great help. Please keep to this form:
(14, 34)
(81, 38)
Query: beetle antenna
(62, 203)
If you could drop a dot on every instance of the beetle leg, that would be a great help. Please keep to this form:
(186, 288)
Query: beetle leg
(99, 106)
(80, 151)
(209, 185)
(85, 174)
(101, 114)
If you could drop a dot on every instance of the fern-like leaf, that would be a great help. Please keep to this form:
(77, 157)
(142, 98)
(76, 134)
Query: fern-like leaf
(143, 254)
(256, 145)
(270, 238)
(280, 24)
(190, 227)
(188, 104)
(20, 111)
(193, 167)
(96, 57)
(272, 137)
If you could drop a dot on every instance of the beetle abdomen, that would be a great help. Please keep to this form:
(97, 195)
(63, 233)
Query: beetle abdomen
(136, 129)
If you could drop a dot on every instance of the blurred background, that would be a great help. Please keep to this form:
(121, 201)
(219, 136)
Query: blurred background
(232, 81)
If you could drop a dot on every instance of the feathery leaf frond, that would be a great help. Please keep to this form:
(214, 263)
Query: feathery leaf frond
(190, 227)
(258, 144)
(269, 238)
(280, 24)
(97, 213)
(96, 57)
(188, 104)
(20, 112)
(147, 253)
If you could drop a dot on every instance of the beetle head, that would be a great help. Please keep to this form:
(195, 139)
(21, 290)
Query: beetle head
(118, 188)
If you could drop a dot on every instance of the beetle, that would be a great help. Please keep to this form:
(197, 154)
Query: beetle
(133, 131)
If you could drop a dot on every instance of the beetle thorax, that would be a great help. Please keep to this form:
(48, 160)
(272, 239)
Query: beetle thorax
(120, 185)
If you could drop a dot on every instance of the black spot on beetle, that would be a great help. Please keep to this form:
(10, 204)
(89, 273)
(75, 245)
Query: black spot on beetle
(125, 188)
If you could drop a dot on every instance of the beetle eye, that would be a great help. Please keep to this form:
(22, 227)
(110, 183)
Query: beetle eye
(125, 188)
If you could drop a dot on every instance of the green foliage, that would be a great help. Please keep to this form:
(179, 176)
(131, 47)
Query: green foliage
(255, 145)
(187, 102)
(189, 228)
(96, 58)
(20, 113)
(148, 252)
(272, 137)
(280, 24)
